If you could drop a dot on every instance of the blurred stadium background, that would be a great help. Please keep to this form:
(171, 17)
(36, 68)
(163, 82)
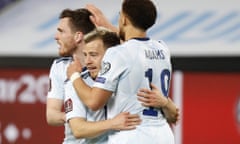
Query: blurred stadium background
(204, 39)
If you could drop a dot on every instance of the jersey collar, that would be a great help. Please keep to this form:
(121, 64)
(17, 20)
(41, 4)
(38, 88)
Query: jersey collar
(142, 38)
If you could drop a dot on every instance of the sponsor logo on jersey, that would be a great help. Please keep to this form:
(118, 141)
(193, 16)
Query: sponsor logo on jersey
(106, 66)
(68, 106)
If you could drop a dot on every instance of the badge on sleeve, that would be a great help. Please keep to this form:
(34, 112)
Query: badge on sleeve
(106, 66)
(68, 106)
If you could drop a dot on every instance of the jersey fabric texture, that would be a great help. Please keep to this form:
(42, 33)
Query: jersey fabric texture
(74, 108)
(127, 68)
(61, 88)
(57, 79)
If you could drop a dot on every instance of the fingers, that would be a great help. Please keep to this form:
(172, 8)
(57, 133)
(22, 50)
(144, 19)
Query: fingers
(94, 10)
(126, 121)
(97, 16)
(133, 117)
(144, 92)
(132, 121)
(153, 86)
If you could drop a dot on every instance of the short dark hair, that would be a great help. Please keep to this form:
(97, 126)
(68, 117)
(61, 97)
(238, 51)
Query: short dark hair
(108, 37)
(80, 19)
(142, 13)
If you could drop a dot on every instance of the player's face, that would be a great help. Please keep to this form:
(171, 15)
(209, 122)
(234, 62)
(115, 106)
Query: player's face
(93, 54)
(65, 38)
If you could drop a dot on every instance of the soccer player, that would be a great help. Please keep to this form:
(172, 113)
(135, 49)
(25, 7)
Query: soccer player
(126, 68)
(96, 42)
(73, 25)
(148, 97)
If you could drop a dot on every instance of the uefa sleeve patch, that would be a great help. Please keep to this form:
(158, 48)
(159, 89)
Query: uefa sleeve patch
(106, 66)
(100, 79)
(68, 105)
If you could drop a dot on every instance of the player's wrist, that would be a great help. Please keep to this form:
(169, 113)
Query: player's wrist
(74, 76)
(165, 103)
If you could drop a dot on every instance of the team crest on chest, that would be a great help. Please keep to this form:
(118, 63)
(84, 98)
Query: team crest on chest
(106, 66)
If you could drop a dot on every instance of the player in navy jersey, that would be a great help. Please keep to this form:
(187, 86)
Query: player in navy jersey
(72, 26)
(128, 67)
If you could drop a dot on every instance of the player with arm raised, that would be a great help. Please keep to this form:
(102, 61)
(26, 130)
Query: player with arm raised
(153, 97)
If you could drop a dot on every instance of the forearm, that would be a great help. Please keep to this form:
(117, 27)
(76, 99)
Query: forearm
(86, 129)
(83, 92)
(170, 111)
(54, 114)
(55, 118)
(93, 98)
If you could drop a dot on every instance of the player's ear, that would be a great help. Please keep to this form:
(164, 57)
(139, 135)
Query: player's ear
(78, 36)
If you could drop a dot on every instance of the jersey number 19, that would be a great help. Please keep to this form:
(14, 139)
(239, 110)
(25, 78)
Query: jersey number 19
(165, 80)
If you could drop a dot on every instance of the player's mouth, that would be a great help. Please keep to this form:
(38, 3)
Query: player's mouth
(92, 68)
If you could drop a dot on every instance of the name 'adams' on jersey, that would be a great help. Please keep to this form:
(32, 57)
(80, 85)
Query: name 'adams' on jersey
(133, 65)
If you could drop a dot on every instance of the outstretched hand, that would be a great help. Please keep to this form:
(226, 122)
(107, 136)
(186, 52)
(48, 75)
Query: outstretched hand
(74, 66)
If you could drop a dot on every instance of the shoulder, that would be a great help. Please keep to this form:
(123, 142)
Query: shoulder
(113, 50)
(63, 60)
(59, 64)
(162, 43)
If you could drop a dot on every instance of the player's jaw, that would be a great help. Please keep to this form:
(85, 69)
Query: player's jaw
(93, 70)
(65, 50)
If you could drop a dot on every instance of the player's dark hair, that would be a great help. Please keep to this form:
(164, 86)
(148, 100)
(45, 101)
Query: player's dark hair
(142, 13)
(108, 37)
(79, 19)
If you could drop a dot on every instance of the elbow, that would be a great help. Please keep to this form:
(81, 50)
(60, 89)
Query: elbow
(53, 121)
(50, 121)
(77, 134)
(94, 106)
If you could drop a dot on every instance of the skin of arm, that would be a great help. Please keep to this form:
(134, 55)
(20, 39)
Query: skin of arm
(171, 112)
(94, 98)
(54, 114)
(86, 129)
(154, 98)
